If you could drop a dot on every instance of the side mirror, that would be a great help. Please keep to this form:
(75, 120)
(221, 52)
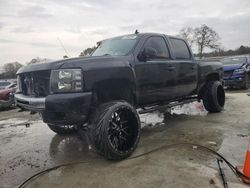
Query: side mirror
(147, 53)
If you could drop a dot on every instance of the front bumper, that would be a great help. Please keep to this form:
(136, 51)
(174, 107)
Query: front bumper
(235, 80)
(68, 108)
(30, 103)
(234, 83)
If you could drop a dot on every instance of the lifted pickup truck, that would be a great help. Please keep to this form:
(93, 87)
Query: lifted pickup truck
(100, 93)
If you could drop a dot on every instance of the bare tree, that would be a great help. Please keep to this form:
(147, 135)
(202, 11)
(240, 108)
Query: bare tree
(88, 51)
(10, 69)
(206, 37)
(187, 33)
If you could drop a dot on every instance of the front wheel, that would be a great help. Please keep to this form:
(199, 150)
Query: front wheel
(214, 97)
(114, 129)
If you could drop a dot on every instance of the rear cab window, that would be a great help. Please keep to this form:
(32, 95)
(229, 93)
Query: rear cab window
(180, 49)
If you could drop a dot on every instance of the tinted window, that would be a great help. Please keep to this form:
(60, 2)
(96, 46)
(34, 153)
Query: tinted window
(159, 45)
(180, 49)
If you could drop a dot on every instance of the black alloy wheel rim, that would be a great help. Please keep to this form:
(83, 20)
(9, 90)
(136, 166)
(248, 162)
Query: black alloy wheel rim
(123, 130)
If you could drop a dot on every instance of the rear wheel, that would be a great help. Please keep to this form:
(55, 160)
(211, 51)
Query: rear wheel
(214, 96)
(62, 129)
(114, 130)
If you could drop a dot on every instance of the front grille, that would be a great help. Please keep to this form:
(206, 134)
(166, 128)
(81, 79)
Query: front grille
(35, 84)
(228, 74)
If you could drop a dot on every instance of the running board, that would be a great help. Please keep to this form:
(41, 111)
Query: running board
(166, 106)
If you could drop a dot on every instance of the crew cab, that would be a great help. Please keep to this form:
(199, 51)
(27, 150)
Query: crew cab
(100, 93)
(236, 71)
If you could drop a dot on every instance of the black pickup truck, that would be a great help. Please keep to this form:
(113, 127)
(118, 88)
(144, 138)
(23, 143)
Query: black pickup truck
(101, 93)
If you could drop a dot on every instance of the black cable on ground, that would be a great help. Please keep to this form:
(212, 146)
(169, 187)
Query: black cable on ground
(234, 169)
(48, 170)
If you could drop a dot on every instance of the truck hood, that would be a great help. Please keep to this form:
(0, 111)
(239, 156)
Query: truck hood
(232, 67)
(86, 63)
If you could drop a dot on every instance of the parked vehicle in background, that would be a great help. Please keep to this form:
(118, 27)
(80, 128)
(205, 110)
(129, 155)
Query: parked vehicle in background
(7, 97)
(236, 71)
(99, 94)
(5, 84)
(7, 90)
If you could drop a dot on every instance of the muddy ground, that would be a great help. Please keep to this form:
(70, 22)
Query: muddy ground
(28, 147)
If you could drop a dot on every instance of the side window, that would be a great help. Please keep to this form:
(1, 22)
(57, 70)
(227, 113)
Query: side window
(180, 49)
(159, 45)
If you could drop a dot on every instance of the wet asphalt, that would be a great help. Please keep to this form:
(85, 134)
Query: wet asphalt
(28, 146)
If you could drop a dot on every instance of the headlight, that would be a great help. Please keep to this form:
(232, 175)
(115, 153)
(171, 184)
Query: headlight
(66, 80)
(239, 71)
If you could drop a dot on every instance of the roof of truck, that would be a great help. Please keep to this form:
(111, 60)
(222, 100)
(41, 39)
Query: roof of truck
(144, 34)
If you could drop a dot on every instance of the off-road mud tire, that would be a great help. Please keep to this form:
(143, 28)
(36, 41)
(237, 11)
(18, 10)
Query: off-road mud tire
(214, 97)
(100, 126)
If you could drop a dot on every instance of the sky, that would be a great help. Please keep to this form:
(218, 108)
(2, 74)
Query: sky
(30, 29)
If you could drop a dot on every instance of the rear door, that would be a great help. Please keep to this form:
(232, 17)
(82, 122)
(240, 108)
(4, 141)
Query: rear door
(156, 76)
(186, 67)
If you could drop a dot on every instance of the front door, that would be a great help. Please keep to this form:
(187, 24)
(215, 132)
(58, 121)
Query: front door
(156, 76)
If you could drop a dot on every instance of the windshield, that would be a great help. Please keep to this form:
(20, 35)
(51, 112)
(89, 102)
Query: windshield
(233, 60)
(118, 46)
(4, 84)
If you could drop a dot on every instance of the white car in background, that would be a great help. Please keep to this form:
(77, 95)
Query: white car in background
(6, 84)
